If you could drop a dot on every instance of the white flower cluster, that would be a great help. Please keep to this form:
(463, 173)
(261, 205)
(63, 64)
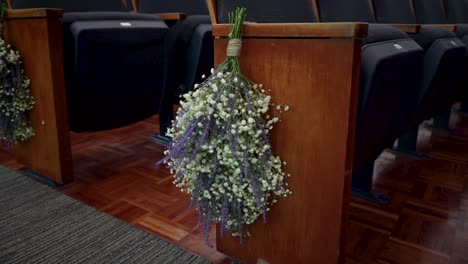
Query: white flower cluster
(221, 153)
(15, 97)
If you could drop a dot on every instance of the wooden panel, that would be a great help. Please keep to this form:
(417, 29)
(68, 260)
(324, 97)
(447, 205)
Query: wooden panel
(39, 42)
(136, 5)
(371, 6)
(172, 16)
(35, 13)
(211, 4)
(315, 77)
(411, 3)
(300, 30)
(316, 10)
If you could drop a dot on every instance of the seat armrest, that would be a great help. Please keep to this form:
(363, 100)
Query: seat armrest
(171, 16)
(310, 30)
(450, 27)
(407, 28)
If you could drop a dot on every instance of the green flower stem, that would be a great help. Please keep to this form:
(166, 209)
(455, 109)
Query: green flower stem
(3, 8)
(236, 19)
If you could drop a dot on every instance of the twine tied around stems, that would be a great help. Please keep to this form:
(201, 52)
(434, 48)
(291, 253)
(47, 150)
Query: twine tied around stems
(234, 47)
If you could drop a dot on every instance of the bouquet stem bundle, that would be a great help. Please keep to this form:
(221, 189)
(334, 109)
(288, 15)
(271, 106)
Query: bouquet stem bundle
(221, 153)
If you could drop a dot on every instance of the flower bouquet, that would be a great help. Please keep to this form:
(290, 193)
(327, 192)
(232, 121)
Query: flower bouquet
(221, 153)
(15, 96)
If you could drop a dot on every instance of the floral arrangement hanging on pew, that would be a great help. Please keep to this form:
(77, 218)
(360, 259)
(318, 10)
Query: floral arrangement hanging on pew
(15, 96)
(221, 153)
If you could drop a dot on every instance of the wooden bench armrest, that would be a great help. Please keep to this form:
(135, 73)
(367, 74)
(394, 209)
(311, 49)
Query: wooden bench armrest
(35, 13)
(297, 30)
(407, 28)
(171, 16)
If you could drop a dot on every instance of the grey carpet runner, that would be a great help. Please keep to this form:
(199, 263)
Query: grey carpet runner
(41, 225)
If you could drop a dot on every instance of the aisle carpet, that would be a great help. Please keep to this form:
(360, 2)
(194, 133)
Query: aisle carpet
(41, 225)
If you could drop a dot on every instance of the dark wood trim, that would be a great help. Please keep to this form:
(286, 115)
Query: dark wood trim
(172, 16)
(136, 6)
(316, 10)
(411, 3)
(446, 26)
(35, 13)
(298, 30)
(350, 149)
(211, 4)
(371, 6)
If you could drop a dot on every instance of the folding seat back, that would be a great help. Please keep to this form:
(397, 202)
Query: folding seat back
(389, 64)
(265, 11)
(442, 62)
(433, 12)
(457, 11)
(430, 12)
(394, 12)
(73, 5)
(345, 11)
(189, 7)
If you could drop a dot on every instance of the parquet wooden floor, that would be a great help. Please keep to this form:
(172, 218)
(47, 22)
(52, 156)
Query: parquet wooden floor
(425, 223)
